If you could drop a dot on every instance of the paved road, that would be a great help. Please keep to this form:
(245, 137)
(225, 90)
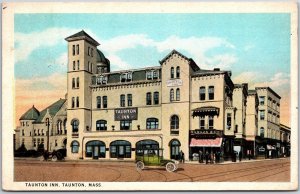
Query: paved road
(277, 170)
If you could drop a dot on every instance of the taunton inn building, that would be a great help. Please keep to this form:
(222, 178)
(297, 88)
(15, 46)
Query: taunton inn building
(176, 105)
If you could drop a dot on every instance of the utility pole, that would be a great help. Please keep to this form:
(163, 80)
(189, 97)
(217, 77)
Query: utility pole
(48, 135)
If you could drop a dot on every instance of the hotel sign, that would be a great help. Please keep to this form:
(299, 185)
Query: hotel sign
(174, 82)
(126, 114)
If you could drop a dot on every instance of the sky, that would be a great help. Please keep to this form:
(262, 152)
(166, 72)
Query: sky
(255, 47)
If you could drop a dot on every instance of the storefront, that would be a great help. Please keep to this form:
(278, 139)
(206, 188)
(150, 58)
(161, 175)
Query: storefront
(120, 149)
(95, 149)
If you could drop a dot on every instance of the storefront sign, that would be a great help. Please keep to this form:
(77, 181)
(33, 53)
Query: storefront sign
(261, 149)
(126, 114)
(174, 82)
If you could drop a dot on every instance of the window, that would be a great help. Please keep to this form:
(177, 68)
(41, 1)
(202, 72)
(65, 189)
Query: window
(172, 72)
(125, 77)
(174, 122)
(77, 101)
(89, 51)
(262, 114)
(175, 148)
(101, 125)
(202, 93)
(122, 100)
(228, 121)
(125, 125)
(73, 50)
(74, 66)
(34, 142)
(152, 123)
(155, 74)
(73, 102)
(177, 72)
(34, 131)
(210, 122)
(101, 80)
(55, 142)
(23, 132)
(177, 94)
(78, 65)
(77, 49)
(95, 149)
(148, 98)
(73, 82)
(75, 124)
(172, 95)
(77, 84)
(92, 50)
(129, 99)
(262, 132)
(211, 93)
(98, 101)
(104, 101)
(261, 100)
(149, 75)
(74, 147)
(156, 98)
(30, 133)
(202, 122)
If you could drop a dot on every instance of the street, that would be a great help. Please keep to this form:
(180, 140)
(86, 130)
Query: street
(276, 170)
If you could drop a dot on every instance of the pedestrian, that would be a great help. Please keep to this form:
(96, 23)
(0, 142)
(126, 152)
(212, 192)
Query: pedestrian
(240, 156)
(182, 156)
(212, 158)
(206, 157)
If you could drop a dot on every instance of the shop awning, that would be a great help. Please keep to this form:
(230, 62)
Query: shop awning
(206, 142)
(207, 110)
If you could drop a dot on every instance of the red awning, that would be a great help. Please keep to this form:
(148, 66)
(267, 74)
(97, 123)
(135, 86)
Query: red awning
(206, 142)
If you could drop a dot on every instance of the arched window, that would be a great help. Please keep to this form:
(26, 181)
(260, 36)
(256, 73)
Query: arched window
(77, 101)
(174, 124)
(101, 125)
(120, 149)
(65, 126)
(172, 95)
(59, 125)
(98, 101)
(152, 123)
(262, 132)
(172, 72)
(73, 102)
(75, 124)
(74, 147)
(175, 148)
(177, 94)
(177, 72)
(148, 145)
(77, 82)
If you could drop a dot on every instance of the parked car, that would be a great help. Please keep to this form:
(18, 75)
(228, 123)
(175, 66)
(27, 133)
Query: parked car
(152, 158)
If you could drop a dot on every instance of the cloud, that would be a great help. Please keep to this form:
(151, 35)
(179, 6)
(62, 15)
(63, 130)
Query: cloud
(249, 47)
(196, 47)
(27, 43)
(62, 59)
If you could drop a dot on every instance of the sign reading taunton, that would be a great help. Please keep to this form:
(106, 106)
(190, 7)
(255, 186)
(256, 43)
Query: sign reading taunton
(126, 114)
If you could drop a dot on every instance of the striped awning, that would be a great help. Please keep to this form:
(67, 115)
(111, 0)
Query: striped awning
(206, 142)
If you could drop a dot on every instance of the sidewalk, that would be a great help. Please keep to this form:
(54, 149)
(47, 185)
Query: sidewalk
(230, 162)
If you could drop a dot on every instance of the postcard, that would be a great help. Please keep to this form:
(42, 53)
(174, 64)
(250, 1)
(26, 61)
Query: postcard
(136, 96)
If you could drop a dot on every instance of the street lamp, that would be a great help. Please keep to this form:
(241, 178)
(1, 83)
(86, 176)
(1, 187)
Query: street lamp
(48, 126)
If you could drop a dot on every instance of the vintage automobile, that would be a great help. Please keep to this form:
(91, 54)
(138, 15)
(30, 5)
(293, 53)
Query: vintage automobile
(152, 158)
(55, 155)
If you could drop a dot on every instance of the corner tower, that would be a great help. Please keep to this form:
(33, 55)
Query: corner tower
(82, 60)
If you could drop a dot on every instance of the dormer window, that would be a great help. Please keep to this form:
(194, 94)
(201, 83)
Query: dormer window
(126, 77)
(101, 80)
(152, 74)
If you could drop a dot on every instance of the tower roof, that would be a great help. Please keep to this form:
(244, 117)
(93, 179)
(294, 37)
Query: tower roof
(82, 35)
(101, 58)
(31, 114)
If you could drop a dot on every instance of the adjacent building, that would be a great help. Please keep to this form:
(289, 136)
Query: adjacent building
(177, 106)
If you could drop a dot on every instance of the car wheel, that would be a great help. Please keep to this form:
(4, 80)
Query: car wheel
(170, 167)
(140, 165)
(54, 158)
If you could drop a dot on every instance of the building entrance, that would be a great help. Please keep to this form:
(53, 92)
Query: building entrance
(95, 149)
(120, 149)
